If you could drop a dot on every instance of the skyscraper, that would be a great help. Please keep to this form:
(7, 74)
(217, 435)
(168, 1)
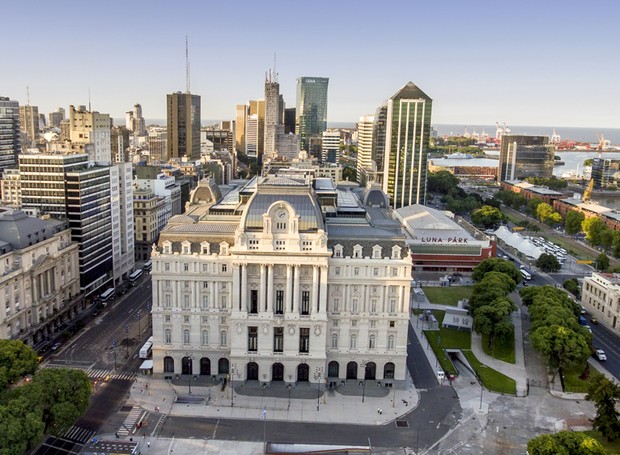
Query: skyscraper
(273, 116)
(134, 121)
(183, 126)
(29, 123)
(525, 156)
(405, 148)
(365, 162)
(240, 118)
(56, 117)
(87, 127)
(311, 110)
(10, 133)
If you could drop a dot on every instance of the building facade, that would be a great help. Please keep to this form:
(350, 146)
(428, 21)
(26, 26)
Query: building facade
(183, 125)
(282, 280)
(29, 123)
(146, 231)
(87, 127)
(39, 278)
(365, 164)
(311, 109)
(273, 116)
(405, 139)
(10, 133)
(330, 147)
(525, 156)
(600, 296)
(54, 118)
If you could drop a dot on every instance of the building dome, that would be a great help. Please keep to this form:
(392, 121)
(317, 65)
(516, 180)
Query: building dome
(207, 192)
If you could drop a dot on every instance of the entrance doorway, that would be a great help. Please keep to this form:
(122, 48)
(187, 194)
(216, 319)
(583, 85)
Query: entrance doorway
(277, 372)
(252, 371)
(303, 373)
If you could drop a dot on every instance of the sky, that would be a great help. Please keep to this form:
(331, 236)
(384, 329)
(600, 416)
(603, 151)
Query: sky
(523, 62)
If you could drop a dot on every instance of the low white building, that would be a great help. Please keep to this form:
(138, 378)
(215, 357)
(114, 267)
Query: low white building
(279, 281)
(600, 296)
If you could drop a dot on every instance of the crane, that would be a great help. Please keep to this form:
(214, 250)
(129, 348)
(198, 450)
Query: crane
(588, 191)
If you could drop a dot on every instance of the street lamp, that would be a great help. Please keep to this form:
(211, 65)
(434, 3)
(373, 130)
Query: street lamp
(138, 317)
(288, 386)
(114, 347)
(363, 364)
(317, 377)
(127, 339)
(233, 370)
(189, 376)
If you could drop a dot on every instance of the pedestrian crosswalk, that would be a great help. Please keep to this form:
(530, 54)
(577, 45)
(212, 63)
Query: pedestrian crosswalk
(78, 434)
(135, 415)
(96, 373)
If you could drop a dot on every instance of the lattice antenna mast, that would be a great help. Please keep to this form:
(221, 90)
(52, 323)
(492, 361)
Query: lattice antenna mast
(28, 94)
(186, 65)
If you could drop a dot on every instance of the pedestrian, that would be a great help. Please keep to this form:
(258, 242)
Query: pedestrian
(148, 443)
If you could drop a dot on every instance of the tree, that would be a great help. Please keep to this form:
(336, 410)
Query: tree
(560, 346)
(16, 361)
(593, 227)
(573, 221)
(497, 265)
(565, 442)
(493, 286)
(441, 181)
(532, 205)
(601, 262)
(487, 216)
(548, 263)
(21, 428)
(572, 286)
(349, 173)
(545, 213)
(494, 320)
(604, 394)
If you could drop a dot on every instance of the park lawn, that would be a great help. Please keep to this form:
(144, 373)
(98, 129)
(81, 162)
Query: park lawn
(500, 349)
(491, 379)
(447, 295)
(610, 447)
(572, 382)
(444, 338)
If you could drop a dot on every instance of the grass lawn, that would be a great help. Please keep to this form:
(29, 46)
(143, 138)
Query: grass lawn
(447, 295)
(500, 349)
(492, 380)
(449, 339)
(610, 447)
(572, 382)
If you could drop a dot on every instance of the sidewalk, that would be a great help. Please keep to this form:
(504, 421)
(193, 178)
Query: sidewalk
(306, 404)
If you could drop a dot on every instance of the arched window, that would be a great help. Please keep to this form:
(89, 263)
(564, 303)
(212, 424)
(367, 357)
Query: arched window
(338, 251)
(353, 344)
(167, 247)
(376, 252)
(186, 247)
(186, 336)
(396, 252)
(168, 336)
(205, 248)
(223, 338)
(371, 342)
(390, 343)
(334, 340)
(205, 337)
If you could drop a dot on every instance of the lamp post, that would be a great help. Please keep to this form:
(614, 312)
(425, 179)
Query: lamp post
(288, 386)
(127, 340)
(317, 377)
(114, 347)
(233, 370)
(364, 381)
(138, 317)
(189, 376)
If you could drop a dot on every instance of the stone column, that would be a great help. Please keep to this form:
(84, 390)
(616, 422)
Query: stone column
(244, 287)
(323, 290)
(236, 302)
(289, 288)
(296, 294)
(212, 302)
(262, 288)
(270, 269)
(315, 289)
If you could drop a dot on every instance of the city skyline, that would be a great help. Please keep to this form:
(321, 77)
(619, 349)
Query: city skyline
(482, 64)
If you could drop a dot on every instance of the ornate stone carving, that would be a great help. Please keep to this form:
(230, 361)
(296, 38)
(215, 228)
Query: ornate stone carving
(317, 330)
(291, 329)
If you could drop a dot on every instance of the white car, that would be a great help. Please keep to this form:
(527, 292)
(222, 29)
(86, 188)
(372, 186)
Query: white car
(600, 355)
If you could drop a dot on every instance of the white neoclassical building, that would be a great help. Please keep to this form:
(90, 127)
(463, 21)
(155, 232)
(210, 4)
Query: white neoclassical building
(282, 280)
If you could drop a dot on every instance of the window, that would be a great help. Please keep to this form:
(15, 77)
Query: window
(223, 338)
(205, 268)
(168, 336)
(392, 308)
(166, 267)
(335, 322)
(353, 322)
(354, 306)
(186, 319)
(373, 323)
(304, 339)
(224, 268)
(205, 248)
(373, 306)
(280, 226)
(353, 343)
(186, 248)
(167, 318)
(205, 285)
(205, 337)
(338, 251)
(186, 302)
(278, 339)
(396, 252)
(393, 272)
(167, 301)
(186, 284)
(356, 271)
(334, 340)
(253, 244)
(223, 302)
(371, 342)
(375, 272)
(392, 324)
(336, 305)
(390, 344)
(337, 271)
(205, 319)
(279, 302)
(305, 303)
(376, 252)
(252, 339)
(186, 336)
(253, 301)
(186, 267)
(205, 302)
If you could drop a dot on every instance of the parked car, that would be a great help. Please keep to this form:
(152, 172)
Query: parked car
(55, 346)
(600, 355)
(594, 321)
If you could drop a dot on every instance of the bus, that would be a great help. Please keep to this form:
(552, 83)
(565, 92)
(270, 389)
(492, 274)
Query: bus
(148, 265)
(135, 275)
(526, 275)
(145, 351)
(108, 294)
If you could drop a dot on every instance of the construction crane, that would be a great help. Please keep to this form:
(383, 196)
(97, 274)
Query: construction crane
(588, 191)
(603, 144)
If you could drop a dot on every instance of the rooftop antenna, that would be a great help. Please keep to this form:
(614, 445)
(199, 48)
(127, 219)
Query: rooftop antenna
(186, 65)
(275, 75)
(28, 94)
(89, 110)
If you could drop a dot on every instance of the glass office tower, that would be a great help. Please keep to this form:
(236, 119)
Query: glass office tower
(311, 109)
(10, 134)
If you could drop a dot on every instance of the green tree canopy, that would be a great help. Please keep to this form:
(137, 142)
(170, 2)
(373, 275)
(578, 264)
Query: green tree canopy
(560, 346)
(494, 320)
(565, 443)
(497, 265)
(593, 227)
(548, 263)
(16, 360)
(552, 182)
(573, 222)
(487, 216)
(572, 286)
(605, 394)
(532, 205)
(441, 182)
(602, 262)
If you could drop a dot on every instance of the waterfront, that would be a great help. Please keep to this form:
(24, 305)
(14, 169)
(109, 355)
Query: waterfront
(574, 159)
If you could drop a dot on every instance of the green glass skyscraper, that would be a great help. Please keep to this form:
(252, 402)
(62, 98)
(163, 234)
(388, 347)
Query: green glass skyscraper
(405, 138)
(311, 109)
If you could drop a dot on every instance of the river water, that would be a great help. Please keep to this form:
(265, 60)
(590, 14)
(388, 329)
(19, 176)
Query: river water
(574, 159)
